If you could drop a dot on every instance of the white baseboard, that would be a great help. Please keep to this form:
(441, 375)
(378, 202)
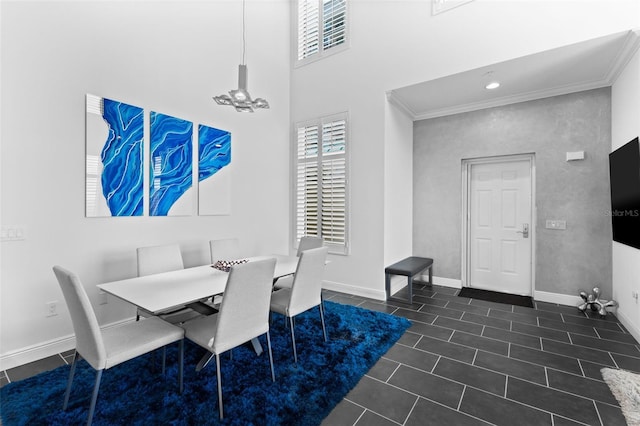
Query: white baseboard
(46, 349)
(629, 325)
(397, 283)
(444, 282)
(571, 300)
(561, 299)
(357, 291)
(36, 352)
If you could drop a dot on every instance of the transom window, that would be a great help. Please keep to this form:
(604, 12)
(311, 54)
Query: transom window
(322, 27)
(321, 181)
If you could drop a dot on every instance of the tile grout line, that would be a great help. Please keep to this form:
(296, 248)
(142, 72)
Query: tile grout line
(435, 364)
(506, 385)
(581, 368)
(546, 376)
(63, 359)
(464, 389)
(411, 410)
(597, 411)
(394, 371)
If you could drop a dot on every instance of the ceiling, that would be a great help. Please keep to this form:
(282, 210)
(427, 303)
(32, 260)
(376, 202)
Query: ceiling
(573, 68)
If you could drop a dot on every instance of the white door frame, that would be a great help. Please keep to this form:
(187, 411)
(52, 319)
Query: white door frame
(466, 187)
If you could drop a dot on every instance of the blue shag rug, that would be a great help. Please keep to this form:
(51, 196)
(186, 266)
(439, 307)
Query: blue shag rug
(136, 393)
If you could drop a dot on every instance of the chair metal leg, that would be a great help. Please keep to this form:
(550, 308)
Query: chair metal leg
(72, 372)
(181, 366)
(219, 376)
(204, 361)
(94, 397)
(324, 330)
(273, 374)
(293, 341)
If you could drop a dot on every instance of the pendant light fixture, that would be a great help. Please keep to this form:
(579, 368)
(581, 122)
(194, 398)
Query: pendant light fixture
(240, 98)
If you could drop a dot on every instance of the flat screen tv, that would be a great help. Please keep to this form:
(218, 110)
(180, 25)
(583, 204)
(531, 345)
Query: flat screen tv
(624, 172)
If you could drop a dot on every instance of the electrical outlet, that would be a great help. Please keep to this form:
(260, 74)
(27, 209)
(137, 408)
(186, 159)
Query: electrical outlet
(634, 294)
(52, 308)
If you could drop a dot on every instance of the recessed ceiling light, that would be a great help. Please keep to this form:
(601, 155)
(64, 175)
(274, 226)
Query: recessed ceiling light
(492, 85)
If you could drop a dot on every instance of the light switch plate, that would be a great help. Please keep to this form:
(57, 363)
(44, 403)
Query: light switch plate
(556, 224)
(13, 233)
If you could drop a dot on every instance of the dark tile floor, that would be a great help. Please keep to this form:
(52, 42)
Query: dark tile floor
(471, 362)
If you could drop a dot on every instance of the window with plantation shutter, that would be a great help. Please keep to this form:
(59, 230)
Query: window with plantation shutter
(322, 27)
(321, 181)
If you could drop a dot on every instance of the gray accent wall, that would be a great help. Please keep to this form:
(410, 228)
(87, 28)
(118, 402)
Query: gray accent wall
(566, 261)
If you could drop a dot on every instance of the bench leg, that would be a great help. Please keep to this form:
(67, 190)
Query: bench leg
(431, 275)
(410, 289)
(387, 285)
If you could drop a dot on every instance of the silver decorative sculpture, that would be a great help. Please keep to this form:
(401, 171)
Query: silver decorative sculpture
(594, 302)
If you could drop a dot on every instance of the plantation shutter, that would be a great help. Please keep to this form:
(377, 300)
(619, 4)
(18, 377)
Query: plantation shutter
(333, 182)
(321, 181)
(308, 28)
(307, 199)
(334, 19)
(322, 25)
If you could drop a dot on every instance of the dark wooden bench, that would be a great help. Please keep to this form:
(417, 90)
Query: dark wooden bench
(409, 267)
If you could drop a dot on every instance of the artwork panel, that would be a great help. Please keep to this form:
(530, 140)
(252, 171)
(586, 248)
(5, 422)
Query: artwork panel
(170, 168)
(215, 194)
(214, 176)
(114, 155)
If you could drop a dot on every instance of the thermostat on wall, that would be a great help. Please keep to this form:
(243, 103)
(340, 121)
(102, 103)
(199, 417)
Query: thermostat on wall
(577, 155)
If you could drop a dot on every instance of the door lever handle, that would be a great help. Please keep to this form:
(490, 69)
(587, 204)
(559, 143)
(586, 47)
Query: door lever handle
(525, 230)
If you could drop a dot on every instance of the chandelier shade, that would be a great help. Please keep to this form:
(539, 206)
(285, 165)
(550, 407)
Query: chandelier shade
(240, 98)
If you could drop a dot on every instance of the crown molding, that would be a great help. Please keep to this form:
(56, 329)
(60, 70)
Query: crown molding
(507, 100)
(393, 99)
(630, 46)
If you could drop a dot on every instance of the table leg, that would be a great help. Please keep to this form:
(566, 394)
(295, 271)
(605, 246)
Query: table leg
(208, 356)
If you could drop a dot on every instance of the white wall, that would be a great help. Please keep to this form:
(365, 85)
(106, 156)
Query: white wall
(398, 185)
(170, 57)
(625, 118)
(397, 43)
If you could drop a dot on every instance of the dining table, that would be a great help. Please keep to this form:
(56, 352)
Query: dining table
(165, 291)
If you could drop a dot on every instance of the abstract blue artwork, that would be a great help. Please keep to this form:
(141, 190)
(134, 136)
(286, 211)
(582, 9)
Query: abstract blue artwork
(214, 154)
(170, 168)
(114, 155)
(214, 150)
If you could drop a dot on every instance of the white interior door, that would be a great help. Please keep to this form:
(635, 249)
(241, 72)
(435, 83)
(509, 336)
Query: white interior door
(499, 226)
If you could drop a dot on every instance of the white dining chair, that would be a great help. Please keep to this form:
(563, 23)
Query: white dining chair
(307, 242)
(167, 258)
(305, 291)
(243, 316)
(105, 348)
(224, 249)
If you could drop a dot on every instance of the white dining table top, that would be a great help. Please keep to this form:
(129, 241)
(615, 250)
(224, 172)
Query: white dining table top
(167, 290)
